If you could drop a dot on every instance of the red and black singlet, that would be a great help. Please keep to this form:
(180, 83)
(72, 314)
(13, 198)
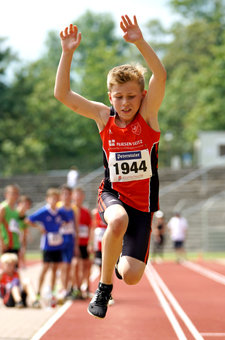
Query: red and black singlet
(131, 162)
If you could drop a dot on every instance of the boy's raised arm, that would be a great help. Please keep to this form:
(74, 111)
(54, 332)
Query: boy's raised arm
(153, 99)
(70, 40)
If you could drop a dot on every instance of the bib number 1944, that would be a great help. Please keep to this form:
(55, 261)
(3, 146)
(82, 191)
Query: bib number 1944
(129, 166)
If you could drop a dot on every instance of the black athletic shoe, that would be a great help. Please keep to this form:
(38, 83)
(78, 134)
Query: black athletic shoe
(99, 303)
(116, 269)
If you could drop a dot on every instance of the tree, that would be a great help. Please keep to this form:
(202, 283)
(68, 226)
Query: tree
(41, 133)
(194, 60)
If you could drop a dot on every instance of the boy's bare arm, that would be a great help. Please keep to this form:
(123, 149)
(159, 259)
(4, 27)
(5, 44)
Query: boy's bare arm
(153, 99)
(2, 221)
(70, 40)
(34, 225)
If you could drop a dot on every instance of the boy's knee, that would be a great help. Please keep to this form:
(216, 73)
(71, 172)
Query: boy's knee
(132, 278)
(118, 225)
(131, 270)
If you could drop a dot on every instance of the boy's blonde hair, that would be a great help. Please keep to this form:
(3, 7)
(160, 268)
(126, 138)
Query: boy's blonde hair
(124, 73)
(12, 186)
(9, 258)
(52, 191)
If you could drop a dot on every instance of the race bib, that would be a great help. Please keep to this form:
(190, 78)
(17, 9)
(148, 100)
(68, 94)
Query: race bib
(129, 166)
(83, 231)
(54, 239)
(67, 229)
(14, 226)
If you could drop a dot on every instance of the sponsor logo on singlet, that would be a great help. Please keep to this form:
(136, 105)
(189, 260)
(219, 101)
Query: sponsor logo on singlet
(128, 155)
(136, 128)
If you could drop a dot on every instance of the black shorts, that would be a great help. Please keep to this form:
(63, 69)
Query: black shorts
(11, 251)
(54, 256)
(83, 252)
(178, 244)
(11, 301)
(98, 258)
(136, 241)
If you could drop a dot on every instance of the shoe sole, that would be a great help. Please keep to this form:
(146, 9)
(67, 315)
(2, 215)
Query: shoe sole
(97, 317)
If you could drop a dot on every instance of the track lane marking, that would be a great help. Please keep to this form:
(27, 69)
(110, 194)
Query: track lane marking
(193, 330)
(213, 334)
(51, 321)
(205, 272)
(168, 311)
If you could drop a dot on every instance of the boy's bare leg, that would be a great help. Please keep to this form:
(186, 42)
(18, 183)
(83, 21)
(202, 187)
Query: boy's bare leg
(55, 266)
(131, 269)
(29, 289)
(42, 276)
(117, 220)
(16, 294)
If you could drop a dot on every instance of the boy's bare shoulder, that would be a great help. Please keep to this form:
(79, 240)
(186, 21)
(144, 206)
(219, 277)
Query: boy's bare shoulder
(103, 115)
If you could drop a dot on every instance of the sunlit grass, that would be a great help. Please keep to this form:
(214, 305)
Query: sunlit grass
(209, 256)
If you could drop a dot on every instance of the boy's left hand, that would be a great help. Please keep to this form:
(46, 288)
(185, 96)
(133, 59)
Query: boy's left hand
(132, 32)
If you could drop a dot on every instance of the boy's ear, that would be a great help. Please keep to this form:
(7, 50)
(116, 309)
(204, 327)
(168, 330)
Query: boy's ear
(110, 98)
(144, 92)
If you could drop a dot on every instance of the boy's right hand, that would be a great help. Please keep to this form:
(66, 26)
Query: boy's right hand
(70, 38)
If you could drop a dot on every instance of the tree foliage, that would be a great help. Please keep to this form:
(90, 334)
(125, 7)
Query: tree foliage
(38, 133)
(194, 60)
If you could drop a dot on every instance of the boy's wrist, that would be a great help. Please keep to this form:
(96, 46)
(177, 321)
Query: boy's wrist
(68, 53)
(140, 42)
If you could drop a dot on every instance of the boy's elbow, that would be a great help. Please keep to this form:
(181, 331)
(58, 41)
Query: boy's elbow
(164, 74)
(57, 94)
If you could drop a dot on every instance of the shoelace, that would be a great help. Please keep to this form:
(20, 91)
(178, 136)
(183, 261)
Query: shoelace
(101, 298)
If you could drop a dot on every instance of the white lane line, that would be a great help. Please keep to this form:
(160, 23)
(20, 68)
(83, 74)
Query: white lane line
(205, 271)
(213, 334)
(178, 330)
(52, 320)
(176, 305)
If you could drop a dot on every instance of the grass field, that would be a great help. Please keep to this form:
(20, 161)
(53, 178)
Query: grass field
(167, 256)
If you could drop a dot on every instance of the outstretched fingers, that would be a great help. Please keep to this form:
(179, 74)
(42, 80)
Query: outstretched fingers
(72, 29)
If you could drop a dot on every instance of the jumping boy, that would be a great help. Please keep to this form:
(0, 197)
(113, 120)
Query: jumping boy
(128, 195)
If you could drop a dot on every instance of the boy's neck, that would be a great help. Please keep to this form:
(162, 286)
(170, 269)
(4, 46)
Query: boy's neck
(66, 205)
(11, 204)
(52, 207)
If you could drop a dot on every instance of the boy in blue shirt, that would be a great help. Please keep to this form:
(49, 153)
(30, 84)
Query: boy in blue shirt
(70, 236)
(51, 240)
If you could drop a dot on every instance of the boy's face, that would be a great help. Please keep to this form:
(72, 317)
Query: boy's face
(24, 205)
(9, 268)
(52, 200)
(78, 197)
(126, 99)
(65, 196)
(12, 195)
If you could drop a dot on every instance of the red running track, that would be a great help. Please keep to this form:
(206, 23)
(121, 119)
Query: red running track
(138, 314)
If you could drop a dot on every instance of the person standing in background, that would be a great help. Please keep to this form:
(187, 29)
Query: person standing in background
(72, 177)
(158, 231)
(83, 263)
(9, 221)
(178, 226)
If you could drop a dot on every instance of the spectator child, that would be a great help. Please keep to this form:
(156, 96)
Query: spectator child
(14, 292)
(158, 231)
(9, 221)
(83, 264)
(51, 240)
(23, 205)
(70, 236)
